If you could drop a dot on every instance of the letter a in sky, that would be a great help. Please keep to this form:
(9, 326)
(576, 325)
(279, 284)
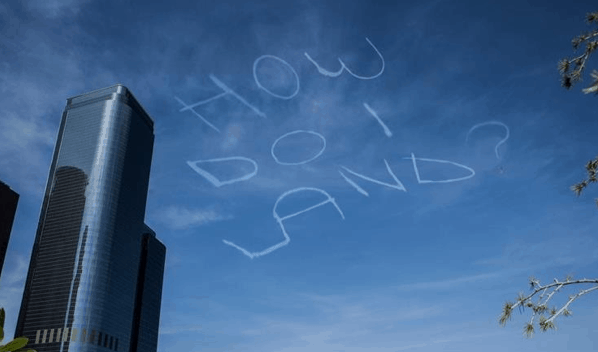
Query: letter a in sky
(280, 220)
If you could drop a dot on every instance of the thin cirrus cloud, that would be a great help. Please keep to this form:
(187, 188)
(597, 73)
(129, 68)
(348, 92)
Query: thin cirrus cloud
(176, 330)
(448, 283)
(576, 250)
(18, 133)
(332, 334)
(24, 147)
(363, 318)
(180, 218)
(11, 289)
(53, 9)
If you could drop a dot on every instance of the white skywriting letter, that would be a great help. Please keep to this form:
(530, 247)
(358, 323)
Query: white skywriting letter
(216, 182)
(259, 84)
(301, 162)
(399, 186)
(344, 67)
(280, 220)
(387, 132)
(420, 181)
(498, 123)
(227, 91)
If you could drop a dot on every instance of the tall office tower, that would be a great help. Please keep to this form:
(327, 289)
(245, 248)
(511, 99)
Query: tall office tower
(8, 208)
(95, 277)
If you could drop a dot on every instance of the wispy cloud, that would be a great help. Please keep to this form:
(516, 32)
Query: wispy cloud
(178, 217)
(11, 289)
(453, 338)
(19, 272)
(347, 322)
(178, 329)
(448, 283)
(35, 80)
(19, 133)
(25, 145)
(53, 9)
(548, 246)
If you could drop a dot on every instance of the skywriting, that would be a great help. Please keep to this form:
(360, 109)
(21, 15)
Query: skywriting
(96, 271)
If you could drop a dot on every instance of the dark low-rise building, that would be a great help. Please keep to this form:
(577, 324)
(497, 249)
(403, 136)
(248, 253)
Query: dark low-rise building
(8, 208)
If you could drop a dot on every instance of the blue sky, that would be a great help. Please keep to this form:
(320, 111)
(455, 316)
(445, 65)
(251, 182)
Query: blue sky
(392, 265)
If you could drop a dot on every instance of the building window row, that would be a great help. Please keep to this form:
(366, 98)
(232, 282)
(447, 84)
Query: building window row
(56, 335)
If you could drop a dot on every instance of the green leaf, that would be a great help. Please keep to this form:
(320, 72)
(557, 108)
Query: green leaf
(15, 344)
(2, 317)
(1, 333)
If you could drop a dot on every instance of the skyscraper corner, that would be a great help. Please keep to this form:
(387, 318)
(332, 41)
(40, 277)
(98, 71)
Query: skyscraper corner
(96, 270)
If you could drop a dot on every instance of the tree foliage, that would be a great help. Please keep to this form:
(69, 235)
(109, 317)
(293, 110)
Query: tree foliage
(540, 308)
(570, 75)
(16, 345)
(571, 71)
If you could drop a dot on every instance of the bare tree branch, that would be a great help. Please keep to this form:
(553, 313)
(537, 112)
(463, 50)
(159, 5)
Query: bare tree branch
(571, 75)
(541, 307)
(571, 71)
(571, 299)
(592, 169)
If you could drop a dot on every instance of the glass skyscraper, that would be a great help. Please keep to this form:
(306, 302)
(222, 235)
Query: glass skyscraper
(8, 208)
(96, 270)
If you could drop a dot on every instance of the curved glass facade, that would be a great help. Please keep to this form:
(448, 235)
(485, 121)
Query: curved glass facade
(93, 255)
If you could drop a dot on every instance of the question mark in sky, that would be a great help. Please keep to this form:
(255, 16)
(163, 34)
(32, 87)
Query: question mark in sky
(498, 123)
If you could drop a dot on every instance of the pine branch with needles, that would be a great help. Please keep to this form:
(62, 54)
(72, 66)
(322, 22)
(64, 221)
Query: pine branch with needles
(540, 307)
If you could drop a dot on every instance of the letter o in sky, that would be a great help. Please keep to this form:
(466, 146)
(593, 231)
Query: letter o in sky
(301, 162)
(257, 81)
